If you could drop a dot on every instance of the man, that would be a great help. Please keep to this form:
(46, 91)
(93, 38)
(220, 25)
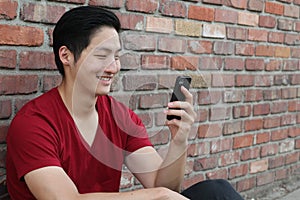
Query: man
(71, 142)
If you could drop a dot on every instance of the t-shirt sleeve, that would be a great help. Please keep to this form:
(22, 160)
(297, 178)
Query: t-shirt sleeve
(32, 144)
(137, 136)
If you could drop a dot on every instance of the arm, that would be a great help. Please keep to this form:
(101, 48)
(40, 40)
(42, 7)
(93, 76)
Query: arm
(150, 168)
(53, 183)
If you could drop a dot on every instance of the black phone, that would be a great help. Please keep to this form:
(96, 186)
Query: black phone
(177, 95)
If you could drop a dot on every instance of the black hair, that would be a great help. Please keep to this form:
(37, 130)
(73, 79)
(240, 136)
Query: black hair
(76, 27)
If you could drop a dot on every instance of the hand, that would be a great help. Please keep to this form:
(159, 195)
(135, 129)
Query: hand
(180, 129)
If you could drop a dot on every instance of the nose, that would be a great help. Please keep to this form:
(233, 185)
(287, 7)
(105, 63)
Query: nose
(113, 66)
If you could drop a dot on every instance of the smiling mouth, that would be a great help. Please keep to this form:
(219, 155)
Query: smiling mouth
(104, 78)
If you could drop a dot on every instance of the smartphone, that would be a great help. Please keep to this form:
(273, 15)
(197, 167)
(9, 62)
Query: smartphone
(177, 95)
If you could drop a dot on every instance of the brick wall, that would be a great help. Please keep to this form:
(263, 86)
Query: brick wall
(243, 57)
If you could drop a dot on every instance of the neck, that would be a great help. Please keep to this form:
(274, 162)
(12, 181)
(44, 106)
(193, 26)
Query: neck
(79, 104)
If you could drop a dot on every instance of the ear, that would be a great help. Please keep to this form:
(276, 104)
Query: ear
(66, 56)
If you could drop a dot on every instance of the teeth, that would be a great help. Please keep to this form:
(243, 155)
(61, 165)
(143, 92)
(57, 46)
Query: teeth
(103, 78)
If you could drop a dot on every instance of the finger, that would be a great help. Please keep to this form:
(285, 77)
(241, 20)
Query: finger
(183, 105)
(187, 94)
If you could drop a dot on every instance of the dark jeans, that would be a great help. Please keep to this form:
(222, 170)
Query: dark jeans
(218, 189)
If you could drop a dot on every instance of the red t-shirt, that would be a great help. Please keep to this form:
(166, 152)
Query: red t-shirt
(43, 133)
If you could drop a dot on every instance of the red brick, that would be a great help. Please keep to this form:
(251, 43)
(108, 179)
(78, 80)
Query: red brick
(262, 138)
(173, 8)
(223, 48)
(297, 2)
(159, 137)
(273, 65)
(292, 158)
(229, 158)
(232, 96)
(236, 33)
(271, 122)
(286, 25)
(234, 64)
(264, 81)
(130, 61)
(210, 63)
(258, 35)
(201, 13)
(226, 16)
(261, 109)
(255, 64)
(279, 107)
(253, 95)
(294, 106)
(8, 59)
(8, 9)
(210, 131)
(279, 134)
(269, 149)
(281, 174)
(222, 80)
(18, 84)
(155, 62)
(241, 111)
(5, 109)
(131, 21)
(217, 174)
(242, 141)
(205, 163)
(244, 49)
(267, 178)
(267, 21)
(274, 8)
(246, 184)
(139, 42)
(244, 80)
(255, 5)
(291, 39)
(147, 119)
(282, 52)
(37, 60)
(107, 3)
(249, 154)
(159, 24)
(217, 2)
(238, 171)
(264, 50)
(258, 166)
(275, 37)
(248, 19)
(185, 62)
(146, 6)
(153, 101)
(175, 45)
(276, 162)
(209, 97)
(288, 93)
(19, 103)
(21, 35)
(232, 128)
(3, 132)
(291, 11)
(219, 113)
(51, 81)
(238, 3)
(295, 52)
(286, 146)
(72, 1)
(44, 13)
(253, 124)
(221, 145)
(200, 47)
(134, 82)
(281, 80)
(214, 31)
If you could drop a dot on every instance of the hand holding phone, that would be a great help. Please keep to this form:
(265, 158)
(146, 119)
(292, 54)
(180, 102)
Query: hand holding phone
(177, 95)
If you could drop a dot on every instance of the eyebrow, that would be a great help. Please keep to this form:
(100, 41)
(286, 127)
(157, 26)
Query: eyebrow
(107, 49)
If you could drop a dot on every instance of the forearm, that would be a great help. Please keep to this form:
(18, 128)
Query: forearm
(159, 193)
(172, 170)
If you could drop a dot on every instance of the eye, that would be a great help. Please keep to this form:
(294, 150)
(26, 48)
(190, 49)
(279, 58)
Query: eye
(101, 57)
(117, 57)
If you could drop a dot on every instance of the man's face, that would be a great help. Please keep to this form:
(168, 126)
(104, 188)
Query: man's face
(99, 62)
